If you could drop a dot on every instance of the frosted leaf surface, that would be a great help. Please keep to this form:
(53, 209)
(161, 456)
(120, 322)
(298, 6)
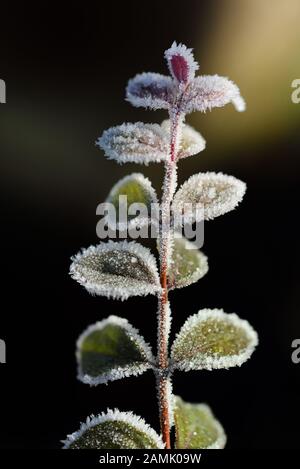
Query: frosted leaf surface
(208, 91)
(138, 190)
(114, 430)
(191, 141)
(213, 339)
(187, 264)
(181, 63)
(151, 90)
(215, 193)
(111, 349)
(183, 92)
(134, 143)
(116, 270)
(196, 427)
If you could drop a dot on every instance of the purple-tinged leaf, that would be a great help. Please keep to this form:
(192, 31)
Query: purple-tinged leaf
(150, 90)
(208, 91)
(181, 63)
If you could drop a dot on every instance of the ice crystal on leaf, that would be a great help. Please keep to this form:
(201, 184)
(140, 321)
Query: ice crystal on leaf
(187, 264)
(215, 193)
(181, 63)
(151, 90)
(183, 92)
(213, 339)
(114, 430)
(208, 91)
(191, 141)
(116, 270)
(112, 349)
(132, 189)
(196, 427)
(134, 143)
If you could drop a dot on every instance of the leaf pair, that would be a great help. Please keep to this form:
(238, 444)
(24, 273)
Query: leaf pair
(203, 196)
(112, 349)
(182, 90)
(147, 143)
(124, 269)
(195, 427)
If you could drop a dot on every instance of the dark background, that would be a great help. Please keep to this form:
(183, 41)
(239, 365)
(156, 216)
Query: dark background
(66, 68)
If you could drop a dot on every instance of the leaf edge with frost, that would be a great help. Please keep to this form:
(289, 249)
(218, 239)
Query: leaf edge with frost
(120, 372)
(118, 292)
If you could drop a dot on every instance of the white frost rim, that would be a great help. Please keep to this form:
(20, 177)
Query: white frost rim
(120, 372)
(114, 415)
(215, 208)
(186, 54)
(150, 101)
(210, 362)
(202, 268)
(107, 288)
(139, 222)
(220, 442)
(149, 155)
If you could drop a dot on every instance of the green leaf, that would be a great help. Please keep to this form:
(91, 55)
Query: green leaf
(187, 265)
(111, 349)
(116, 270)
(114, 430)
(205, 196)
(132, 189)
(196, 427)
(213, 339)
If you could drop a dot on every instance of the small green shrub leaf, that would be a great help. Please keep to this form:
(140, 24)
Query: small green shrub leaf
(213, 339)
(116, 270)
(111, 349)
(205, 196)
(114, 430)
(187, 265)
(196, 427)
(132, 189)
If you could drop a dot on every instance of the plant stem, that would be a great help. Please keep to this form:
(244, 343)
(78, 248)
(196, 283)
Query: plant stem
(164, 312)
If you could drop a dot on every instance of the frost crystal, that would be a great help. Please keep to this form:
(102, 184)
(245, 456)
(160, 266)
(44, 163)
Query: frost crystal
(108, 269)
(187, 265)
(213, 339)
(183, 92)
(112, 349)
(114, 430)
(191, 141)
(150, 90)
(135, 143)
(209, 91)
(181, 63)
(197, 427)
(138, 190)
(215, 193)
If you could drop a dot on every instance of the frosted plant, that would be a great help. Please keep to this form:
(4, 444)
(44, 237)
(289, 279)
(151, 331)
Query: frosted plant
(211, 339)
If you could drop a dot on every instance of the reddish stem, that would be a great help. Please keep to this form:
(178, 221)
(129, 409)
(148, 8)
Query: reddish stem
(163, 316)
